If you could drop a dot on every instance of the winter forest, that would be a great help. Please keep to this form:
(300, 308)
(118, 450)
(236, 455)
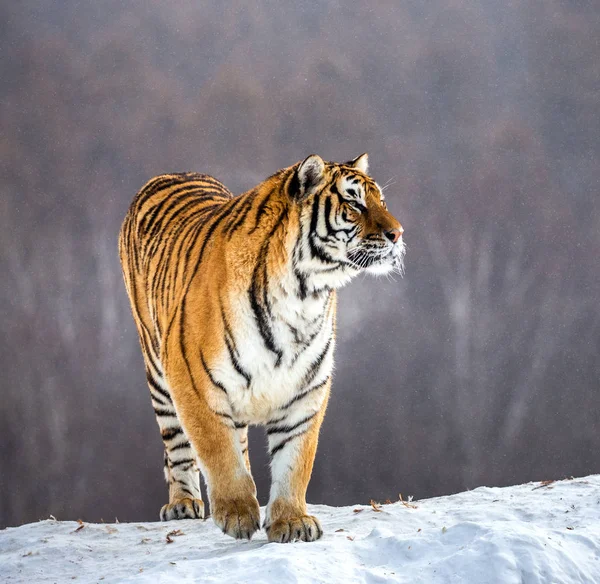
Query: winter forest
(480, 367)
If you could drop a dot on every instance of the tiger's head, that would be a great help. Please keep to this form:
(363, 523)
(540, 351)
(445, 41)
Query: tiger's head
(346, 226)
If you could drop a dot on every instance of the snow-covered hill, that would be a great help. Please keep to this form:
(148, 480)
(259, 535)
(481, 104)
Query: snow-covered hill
(533, 533)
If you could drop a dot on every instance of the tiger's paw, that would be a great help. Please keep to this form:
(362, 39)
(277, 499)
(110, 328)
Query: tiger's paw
(239, 518)
(183, 509)
(302, 528)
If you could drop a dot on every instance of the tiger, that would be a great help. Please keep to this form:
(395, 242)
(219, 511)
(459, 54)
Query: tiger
(234, 301)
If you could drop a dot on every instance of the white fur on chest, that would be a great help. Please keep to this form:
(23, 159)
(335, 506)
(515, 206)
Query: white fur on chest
(302, 331)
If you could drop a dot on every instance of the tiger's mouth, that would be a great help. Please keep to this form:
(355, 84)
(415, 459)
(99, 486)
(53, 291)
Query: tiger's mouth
(378, 260)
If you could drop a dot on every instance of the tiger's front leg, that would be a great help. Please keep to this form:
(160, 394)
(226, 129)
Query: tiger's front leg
(215, 438)
(293, 438)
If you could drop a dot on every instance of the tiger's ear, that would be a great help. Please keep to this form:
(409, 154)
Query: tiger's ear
(307, 177)
(361, 163)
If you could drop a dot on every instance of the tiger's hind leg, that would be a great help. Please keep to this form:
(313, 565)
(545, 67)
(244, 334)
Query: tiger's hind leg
(180, 468)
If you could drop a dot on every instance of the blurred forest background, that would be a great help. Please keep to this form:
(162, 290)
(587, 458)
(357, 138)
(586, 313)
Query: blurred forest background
(481, 366)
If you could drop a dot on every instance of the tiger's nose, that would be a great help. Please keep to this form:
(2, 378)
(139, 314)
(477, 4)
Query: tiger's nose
(394, 234)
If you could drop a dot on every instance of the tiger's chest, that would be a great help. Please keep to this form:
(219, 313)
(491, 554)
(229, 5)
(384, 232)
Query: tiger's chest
(266, 364)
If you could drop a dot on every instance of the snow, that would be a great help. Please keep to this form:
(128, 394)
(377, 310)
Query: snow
(532, 533)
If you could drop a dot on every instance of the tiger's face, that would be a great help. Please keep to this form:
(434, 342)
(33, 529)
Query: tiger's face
(348, 226)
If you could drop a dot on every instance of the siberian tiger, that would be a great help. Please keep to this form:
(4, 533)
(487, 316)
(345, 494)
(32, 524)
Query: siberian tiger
(234, 301)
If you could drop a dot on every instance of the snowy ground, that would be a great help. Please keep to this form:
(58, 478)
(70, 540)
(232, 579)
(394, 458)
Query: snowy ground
(546, 533)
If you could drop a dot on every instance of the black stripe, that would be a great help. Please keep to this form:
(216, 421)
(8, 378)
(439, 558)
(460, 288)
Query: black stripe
(293, 186)
(235, 362)
(259, 212)
(316, 365)
(152, 383)
(171, 433)
(276, 420)
(232, 348)
(296, 334)
(284, 443)
(286, 429)
(156, 368)
(212, 379)
(298, 247)
(164, 412)
(319, 253)
(333, 189)
(182, 461)
(240, 214)
(327, 213)
(185, 444)
(308, 342)
(223, 415)
(159, 400)
(184, 489)
(302, 285)
(298, 256)
(350, 232)
(201, 223)
(303, 394)
(314, 218)
(258, 288)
